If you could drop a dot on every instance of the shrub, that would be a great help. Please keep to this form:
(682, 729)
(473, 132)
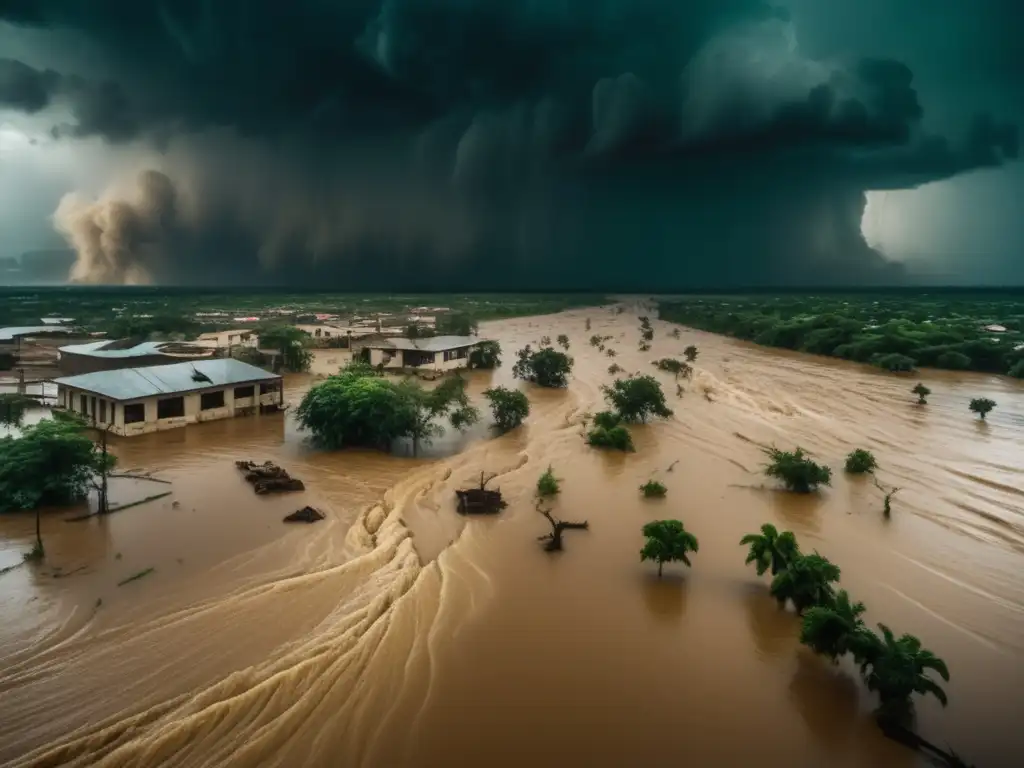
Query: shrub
(860, 461)
(545, 341)
(894, 362)
(922, 393)
(546, 367)
(637, 398)
(509, 407)
(608, 432)
(615, 368)
(690, 353)
(547, 484)
(982, 405)
(563, 341)
(595, 340)
(796, 471)
(652, 489)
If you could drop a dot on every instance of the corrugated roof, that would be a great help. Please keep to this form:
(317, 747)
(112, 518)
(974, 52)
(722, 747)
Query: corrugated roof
(176, 378)
(9, 334)
(429, 344)
(143, 348)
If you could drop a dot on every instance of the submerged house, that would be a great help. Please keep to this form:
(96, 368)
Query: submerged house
(134, 401)
(434, 353)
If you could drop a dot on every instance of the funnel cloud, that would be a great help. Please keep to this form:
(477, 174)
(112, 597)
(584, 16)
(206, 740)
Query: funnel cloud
(483, 144)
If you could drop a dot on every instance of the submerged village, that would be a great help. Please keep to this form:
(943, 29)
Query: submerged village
(90, 410)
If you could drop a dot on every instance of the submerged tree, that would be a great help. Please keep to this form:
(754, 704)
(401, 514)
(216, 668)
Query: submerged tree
(887, 508)
(608, 432)
(796, 470)
(637, 398)
(770, 549)
(563, 341)
(546, 367)
(982, 405)
(860, 462)
(896, 669)
(547, 484)
(486, 355)
(835, 629)
(652, 489)
(554, 539)
(509, 407)
(292, 343)
(690, 353)
(806, 582)
(922, 393)
(425, 406)
(667, 541)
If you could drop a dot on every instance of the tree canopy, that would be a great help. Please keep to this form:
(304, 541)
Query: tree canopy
(486, 355)
(13, 407)
(546, 367)
(796, 470)
(982, 406)
(292, 342)
(770, 549)
(608, 432)
(806, 581)
(509, 407)
(834, 629)
(637, 398)
(896, 668)
(922, 393)
(860, 461)
(667, 541)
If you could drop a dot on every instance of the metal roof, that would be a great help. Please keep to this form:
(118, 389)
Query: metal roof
(176, 378)
(428, 344)
(9, 334)
(143, 348)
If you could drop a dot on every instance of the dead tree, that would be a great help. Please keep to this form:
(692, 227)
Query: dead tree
(554, 539)
(887, 508)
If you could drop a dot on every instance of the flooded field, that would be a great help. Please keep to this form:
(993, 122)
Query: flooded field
(396, 633)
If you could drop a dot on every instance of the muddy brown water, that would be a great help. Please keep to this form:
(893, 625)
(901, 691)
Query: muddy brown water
(396, 633)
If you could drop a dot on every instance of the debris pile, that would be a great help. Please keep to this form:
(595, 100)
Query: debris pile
(480, 500)
(268, 477)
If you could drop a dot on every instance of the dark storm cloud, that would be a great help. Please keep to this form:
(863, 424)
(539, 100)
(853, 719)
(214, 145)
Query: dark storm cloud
(425, 141)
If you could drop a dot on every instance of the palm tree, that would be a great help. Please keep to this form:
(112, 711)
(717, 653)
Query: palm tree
(806, 582)
(667, 540)
(897, 671)
(770, 549)
(834, 629)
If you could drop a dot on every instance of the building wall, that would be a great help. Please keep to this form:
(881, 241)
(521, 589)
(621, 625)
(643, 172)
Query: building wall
(397, 361)
(114, 412)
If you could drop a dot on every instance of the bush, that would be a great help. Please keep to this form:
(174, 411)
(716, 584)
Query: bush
(894, 362)
(615, 368)
(486, 355)
(546, 367)
(796, 471)
(860, 461)
(690, 353)
(563, 341)
(509, 407)
(547, 484)
(922, 393)
(954, 361)
(652, 489)
(982, 405)
(608, 432)
(545, 341)
(637, 398)
(673, 366)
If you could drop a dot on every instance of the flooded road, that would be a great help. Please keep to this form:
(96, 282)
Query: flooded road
(396, 633)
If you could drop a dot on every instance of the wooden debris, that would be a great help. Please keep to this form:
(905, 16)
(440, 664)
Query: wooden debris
(480, 500)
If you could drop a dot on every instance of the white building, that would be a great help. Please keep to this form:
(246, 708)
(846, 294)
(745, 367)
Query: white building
(228, 339)
(135, 401)
(434, 353)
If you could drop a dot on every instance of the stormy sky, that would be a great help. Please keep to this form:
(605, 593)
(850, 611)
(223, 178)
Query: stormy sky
(509, 144)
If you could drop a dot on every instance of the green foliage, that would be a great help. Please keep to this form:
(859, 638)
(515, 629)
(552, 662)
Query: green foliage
(547, 484)
(509, 407)
(546, 367)
(563, 341)
(545, 341)
(637, 398)
(770, 549)
(652, 489)
(1017, 369)
(615, 368)
(796, 470)
(936, 330)
(922, 393)
(293, 344)
(982, 405)
(13, 407)
(596, 341)
(894, 362)
(897, 668)
(806, 582)
(690, 353)
(673, 366)
(486, 355)
(611, 352)
(608, 432)
(667, 541)
(457, 324)
(834, 629)
(52, 463)
(860, 461)
(128, 325)
(356, 407)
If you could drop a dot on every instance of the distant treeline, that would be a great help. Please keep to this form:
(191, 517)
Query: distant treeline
(896, 333)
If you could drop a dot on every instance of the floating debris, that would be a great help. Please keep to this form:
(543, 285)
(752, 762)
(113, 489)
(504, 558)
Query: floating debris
(268, 477)
(304, 515)
(480, 500)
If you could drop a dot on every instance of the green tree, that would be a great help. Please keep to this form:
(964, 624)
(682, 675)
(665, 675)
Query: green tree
(982, 405)
(896, 669)
(457, 324)
(546, 367)
(596, 341)
(667, 541)
(448, 399)
(835, 629)
(547, 484)
(608, 432)
(796, 470)
(486, 355)
(771, 549)
(690, 353)
(922, 393)
(806, 582)
(652, 489)
(859, 462)
(12, 409)
(509, 407)
(292, 343)
(563, 341)
(637, 398)
(894, 362)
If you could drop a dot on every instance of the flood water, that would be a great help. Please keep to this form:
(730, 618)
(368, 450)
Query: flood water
(396, 633)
